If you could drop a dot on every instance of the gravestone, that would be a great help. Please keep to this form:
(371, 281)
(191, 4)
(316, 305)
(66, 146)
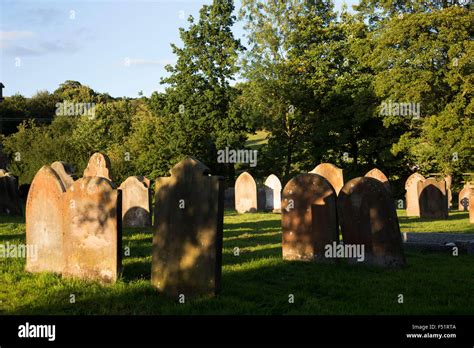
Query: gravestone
(9, 194)
(99, 165)
(433, 199)
(471, 208)
(380, 176)
(332, 174)
(44, 228)
(229, 198)
(464, 197)
(272, 188)
(92, 230)
(449, 182)
(367, 216)
(245, 193)
(187, 242)
(65, 172)
(136, 202)
(411, 195)
(309, 217)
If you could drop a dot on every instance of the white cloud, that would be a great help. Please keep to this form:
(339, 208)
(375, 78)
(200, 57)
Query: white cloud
(15, 35)
(127, 62)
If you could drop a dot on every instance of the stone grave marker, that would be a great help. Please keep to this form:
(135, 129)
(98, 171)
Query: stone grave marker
(92, 230)
(229, 198)
(309, 217)
(44, 222)
(380, 176)
(9, 194)
(99, 165)
(332, 174)
(471, 208)
(245, 193)
(136, 202)
(187, 242)
(464, 197)
(272, 188)
(433, 200)
(411, 195)
(65, 172)
(368, 217)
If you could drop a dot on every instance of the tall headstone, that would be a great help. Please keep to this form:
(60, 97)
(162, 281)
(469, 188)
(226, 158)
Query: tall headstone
(136, 202)
(44, 228)
(99, 165)
(65, 172)
(464, 195)
(245, 193)
(368, 217)
(380, 176)
(187, 243)
(411, 195)
(471, 208)
(92, 230)
(433, 199)
(332, 174)
(229, 198)
(449, 183)
(9, 194)
(309, 217)
(272, 187)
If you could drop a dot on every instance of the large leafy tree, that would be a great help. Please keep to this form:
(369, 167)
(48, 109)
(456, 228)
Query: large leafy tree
(198, 113)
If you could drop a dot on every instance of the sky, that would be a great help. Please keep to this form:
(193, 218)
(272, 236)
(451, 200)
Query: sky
(114, 46)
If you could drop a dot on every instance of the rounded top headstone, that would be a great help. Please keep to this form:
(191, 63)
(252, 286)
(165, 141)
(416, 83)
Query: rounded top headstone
(331, 173)
(99, 165)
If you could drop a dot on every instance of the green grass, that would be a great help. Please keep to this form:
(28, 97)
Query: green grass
(254, 141)
(257, 281)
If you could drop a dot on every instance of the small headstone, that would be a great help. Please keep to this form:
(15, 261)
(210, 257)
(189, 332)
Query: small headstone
(229, 198)
(245, 193)
(332, 174)
(44, 227)
(368, 217)
(92, 230)
(9, 194)
(433, 199)
(411, 195)
(187, 243)
(272, 188)
(261, 198)
(136, 202)
(99, 165)
(65, 172)
(380, 176)
(464, 197)
(309, 217)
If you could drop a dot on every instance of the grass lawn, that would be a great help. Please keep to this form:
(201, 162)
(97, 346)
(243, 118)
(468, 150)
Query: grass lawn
(257, 281)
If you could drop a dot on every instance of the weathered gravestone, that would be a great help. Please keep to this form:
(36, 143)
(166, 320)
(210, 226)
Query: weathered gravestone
(92, 230)
(433, 200)
(464, 195)
(449, 182)
(65, 172)
(471, 208)
(332, 174)
(272, 188)
(229, 198)
(368, 217)
(309, 217)
(245, 193)
(411, 196)
(136, 202)
(44, 224)
(99, 165)
(9, 194)
(380, 176)
(187, 243)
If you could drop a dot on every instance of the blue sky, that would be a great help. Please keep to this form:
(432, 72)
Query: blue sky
(114, 46)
